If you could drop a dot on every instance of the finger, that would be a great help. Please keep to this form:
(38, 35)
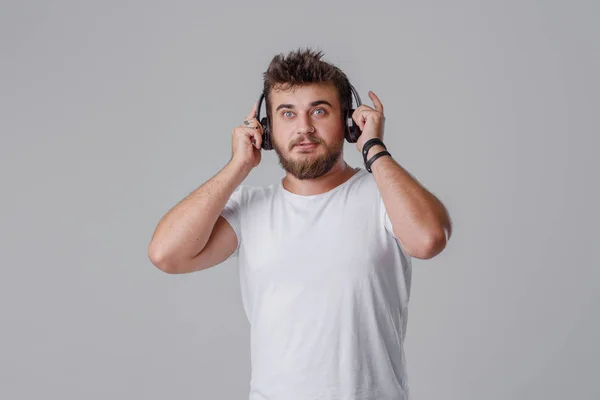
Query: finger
(364, 108)
(257, 127)
(258, 139)
(255, 138)
(253, 112)
(376, 102)
(252, 124)
(360, 116)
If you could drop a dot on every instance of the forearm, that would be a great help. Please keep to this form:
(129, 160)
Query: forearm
(185, 229)
(420, 220)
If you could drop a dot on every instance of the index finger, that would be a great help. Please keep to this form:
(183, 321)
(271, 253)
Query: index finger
(253, 112)
(376, 102)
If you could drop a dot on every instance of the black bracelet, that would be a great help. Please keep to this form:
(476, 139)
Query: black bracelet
(368, 144)
(375, 157)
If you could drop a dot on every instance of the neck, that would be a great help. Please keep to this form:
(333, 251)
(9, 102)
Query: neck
(337, 175)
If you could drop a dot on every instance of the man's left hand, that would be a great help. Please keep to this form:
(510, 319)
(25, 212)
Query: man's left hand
(370, 121)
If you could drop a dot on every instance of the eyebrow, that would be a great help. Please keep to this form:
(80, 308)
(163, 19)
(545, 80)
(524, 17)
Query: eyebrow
(314, 103)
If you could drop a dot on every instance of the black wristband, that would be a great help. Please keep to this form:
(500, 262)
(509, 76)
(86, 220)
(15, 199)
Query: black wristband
(368, 144)
(375, 157)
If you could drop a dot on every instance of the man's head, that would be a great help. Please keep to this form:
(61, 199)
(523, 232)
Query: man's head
(306, 102)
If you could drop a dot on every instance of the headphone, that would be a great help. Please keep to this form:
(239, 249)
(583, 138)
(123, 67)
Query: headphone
(351, 130)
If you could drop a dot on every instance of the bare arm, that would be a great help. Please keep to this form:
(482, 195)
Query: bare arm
(193, 235)
(183, 233)
(421, 222)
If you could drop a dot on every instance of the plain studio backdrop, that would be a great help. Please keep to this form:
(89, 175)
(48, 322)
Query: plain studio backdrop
(112, 112)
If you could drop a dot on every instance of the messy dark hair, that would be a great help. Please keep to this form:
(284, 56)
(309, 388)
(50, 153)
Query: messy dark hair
(301, 67)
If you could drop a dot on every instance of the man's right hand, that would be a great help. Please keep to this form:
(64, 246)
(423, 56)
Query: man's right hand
(246, 141)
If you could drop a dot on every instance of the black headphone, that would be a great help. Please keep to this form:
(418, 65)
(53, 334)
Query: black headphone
(351, 130)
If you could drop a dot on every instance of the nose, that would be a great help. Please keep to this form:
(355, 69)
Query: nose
(304, 125)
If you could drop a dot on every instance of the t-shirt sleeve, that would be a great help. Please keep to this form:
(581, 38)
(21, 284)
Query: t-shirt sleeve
(232, 214)
(387, 222)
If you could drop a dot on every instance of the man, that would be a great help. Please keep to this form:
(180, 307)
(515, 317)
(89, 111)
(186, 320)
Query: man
(325, 254)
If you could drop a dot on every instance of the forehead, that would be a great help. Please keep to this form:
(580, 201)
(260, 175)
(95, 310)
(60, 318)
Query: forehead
(302, 96)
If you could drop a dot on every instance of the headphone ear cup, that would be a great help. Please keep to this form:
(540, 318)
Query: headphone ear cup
(266, 136)
(353, 132)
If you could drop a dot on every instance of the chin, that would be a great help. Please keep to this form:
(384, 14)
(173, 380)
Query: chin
(310, 163)
(307, 175)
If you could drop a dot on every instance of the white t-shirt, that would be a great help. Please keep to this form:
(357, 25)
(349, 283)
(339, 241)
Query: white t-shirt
(325, 286)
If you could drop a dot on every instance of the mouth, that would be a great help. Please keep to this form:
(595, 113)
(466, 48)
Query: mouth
(306, 145)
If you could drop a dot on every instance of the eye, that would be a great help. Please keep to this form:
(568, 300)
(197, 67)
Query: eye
(287, 112)
(320, 109)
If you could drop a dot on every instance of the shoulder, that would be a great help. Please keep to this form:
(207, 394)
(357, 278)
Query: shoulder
(365, 190)
(363, 183)
(247, 195)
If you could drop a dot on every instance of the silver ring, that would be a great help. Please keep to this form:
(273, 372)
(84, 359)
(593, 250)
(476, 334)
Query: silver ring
(247, 123)
(313, 129)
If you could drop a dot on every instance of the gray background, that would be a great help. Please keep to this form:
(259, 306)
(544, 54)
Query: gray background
(111, 112)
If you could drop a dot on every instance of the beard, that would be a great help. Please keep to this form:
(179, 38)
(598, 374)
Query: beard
(310, 165)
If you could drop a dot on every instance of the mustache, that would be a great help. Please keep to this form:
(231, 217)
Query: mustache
(310, 139)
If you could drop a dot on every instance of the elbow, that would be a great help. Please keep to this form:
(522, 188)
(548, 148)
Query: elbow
(431, 245)
(435, 244)
(160, 260)
(436, 240)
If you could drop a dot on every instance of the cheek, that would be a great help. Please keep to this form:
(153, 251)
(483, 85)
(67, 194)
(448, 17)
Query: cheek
(282, 141)
(333, 130)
